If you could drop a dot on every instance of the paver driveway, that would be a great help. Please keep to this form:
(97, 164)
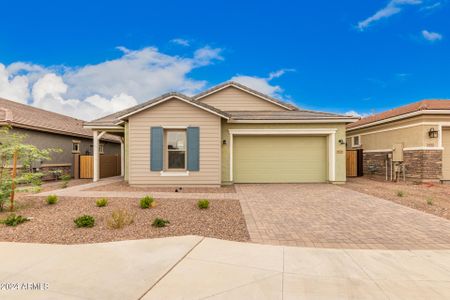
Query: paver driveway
(325, 215)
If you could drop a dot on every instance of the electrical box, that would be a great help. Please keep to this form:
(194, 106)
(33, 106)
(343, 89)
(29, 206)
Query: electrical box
(397, 153)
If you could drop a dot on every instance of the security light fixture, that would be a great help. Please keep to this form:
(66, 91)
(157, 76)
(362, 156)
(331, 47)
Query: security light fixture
(433, 133)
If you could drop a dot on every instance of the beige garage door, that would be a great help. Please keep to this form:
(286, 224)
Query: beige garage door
(279, 159)
(446, 154)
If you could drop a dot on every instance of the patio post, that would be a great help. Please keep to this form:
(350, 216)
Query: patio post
(97, 136)
(122, 157)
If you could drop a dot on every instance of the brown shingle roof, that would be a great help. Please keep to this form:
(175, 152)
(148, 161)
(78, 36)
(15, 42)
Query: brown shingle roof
(26, 116)
(434, 104)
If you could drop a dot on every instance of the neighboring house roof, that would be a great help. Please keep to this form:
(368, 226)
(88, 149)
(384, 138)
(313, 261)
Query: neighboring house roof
(424, 106)
(246, 89)
(29, 117)
(292, 112)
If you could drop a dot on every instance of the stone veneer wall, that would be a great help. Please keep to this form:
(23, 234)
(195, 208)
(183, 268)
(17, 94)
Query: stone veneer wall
(420, 164)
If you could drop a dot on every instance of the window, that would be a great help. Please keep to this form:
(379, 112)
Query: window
(75, 146)
(176, 149)
(356, 141)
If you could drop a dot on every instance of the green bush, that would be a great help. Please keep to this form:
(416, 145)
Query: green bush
(101, 202)
(65, 180)
(430, 201)
(52, 199)
(146, 202)
(400, 193)
(203, 204)
(158, 222)
(119, 219)
(14, 220)
(85, 221)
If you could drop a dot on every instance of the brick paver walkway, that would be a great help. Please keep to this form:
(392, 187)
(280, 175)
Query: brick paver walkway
(325, 215)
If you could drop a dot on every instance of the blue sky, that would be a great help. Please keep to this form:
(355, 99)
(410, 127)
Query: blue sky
(87, 58)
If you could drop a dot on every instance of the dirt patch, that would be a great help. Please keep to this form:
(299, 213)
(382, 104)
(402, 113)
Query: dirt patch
(125, 187)
(54, 223)
(433, 198)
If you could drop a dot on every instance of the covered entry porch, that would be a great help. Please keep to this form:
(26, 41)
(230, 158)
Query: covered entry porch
(98, 132)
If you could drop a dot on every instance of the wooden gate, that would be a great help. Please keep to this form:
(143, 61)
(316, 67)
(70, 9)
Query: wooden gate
(86, 166)
(354, 163)
(109, 166)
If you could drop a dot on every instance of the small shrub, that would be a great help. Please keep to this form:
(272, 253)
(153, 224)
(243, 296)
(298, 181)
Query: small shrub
(101, 202)
(203, 204)
(85, 221)
(430, 201)
(14, 220)
(119, 219)
(147, 202)
(158, 222)
(52, 199)
(400, 193)
(65, 180)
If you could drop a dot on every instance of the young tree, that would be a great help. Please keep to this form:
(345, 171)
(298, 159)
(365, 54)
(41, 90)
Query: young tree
(12, 151)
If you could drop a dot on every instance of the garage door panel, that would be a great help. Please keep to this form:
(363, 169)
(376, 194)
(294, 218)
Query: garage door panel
(264, 159)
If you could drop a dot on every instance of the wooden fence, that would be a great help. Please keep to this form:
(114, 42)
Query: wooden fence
(354, 163)
(109, 166)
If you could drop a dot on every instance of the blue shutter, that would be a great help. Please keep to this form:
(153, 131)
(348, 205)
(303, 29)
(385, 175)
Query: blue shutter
(157, 148)
(193, 149)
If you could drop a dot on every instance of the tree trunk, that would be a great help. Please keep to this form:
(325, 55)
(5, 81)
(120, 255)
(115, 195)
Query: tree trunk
(13, 177)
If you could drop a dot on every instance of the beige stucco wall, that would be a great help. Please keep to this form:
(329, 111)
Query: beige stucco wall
(174, 113)
(413, 134)
(340, 149)
(233, 99)
(127, 152)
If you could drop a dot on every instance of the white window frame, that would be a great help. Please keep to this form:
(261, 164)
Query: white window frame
(78, 143)
(101, 148)
(353, 141)
(166, 151)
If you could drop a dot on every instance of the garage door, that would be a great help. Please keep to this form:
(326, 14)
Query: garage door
(278, 159)
(446, 154)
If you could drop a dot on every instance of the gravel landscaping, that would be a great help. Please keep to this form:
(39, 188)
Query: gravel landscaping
(433, 198)
(54, 223)
(123, 186)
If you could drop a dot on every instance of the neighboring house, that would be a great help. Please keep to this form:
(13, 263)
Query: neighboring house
(46, 129)
(420, 129)
(227, 134)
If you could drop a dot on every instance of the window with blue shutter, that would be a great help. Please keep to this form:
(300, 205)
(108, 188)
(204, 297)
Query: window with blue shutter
(156, 148)
(193, 148)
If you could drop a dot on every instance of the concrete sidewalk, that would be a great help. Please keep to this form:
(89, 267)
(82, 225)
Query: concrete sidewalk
(192, 267)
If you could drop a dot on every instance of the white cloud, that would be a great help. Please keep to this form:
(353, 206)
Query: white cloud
(181, 42)
(357, 114)
(91, 91)
(431, 36)
(262, 84)
(392, 8)
(432, 6)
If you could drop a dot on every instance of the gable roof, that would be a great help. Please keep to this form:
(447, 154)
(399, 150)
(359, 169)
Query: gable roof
(116, 118)
(29, 117)
(423, 106)
(291, 114)
(245, 89)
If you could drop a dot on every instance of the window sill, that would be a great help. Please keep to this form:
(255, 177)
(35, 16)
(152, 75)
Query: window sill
(174, 173)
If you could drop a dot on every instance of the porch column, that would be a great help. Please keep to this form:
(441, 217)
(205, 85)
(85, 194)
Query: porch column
(122, 157)
(97, 136)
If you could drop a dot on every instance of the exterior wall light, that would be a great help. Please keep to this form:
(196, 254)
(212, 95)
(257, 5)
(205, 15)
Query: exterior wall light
(433, 133)
(342, 142)
(224, 142)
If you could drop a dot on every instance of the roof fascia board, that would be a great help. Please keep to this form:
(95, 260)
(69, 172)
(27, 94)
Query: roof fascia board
(404, 116)
(295, 121)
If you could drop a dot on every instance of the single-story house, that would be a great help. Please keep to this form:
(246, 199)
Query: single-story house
(227, 134)
(46, 129)
(420, 132)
